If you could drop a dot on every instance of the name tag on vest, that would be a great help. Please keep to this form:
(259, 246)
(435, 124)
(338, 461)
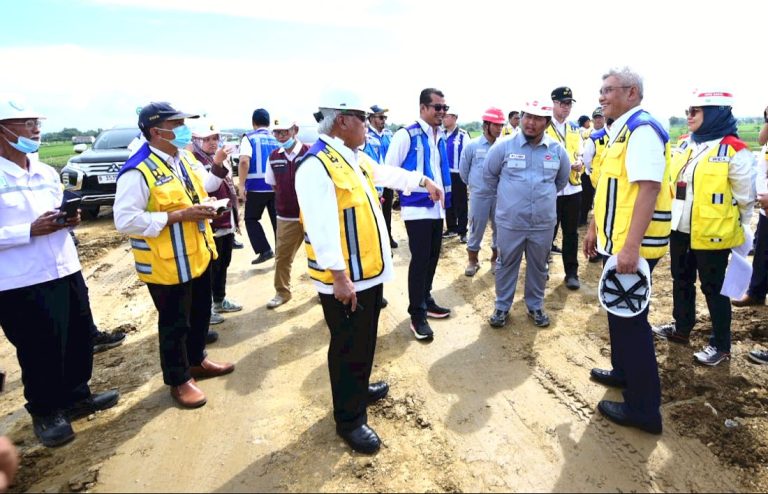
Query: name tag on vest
(515, 156)
(163, 180)
(719, 159)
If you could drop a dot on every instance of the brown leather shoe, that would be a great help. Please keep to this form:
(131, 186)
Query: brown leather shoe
(209, 368)
(188, 395)
(746, 301)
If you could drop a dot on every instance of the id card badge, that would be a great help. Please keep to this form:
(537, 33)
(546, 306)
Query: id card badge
(677, 212)
(680, 190)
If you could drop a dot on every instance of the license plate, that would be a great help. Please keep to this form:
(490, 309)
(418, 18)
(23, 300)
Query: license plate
(108, 179)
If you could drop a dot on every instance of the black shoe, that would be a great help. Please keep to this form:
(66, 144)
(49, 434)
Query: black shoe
(607, 377)
(103, 341)
(421, 330)
(616, 412)
(92, 404)
(670, 333)
(436, 312)
(572, 282)
(377, 391)
(463, 238)
(264, 257)
(384, 303)
(236, 244)
(555, 249)
(363, 439)
(539, 318)
(449, 234)
(52, 430)
(211, 337)
(499, 318)
(392, 243)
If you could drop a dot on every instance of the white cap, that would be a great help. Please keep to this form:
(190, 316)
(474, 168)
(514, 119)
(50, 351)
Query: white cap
(708, 97)
(202, 128)
(12, 107)
(283, 124)
(625, 295)
(540, 107)
(343, 100)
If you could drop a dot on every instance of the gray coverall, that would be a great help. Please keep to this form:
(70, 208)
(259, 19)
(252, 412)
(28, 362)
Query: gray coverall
(482, 201)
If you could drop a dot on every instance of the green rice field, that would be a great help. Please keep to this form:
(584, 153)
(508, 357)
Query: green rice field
(56, 154)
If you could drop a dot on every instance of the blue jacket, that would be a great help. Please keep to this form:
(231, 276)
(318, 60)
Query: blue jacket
(376, 145)
(418, 158)
(455, 145)
(262, 144)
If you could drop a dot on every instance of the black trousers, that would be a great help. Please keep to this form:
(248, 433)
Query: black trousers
(350, 354)
(255, 202)
(568, 208)
(183, 316)
(219, 266)
(633, 357)
(386, 207)
(424, 240)
(48, 324)
(710, 265)
(758, 285)
(456, 215)
(83, 294)
(587, 197)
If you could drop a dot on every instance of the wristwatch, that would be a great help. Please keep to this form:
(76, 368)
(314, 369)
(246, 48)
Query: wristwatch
(423, 182)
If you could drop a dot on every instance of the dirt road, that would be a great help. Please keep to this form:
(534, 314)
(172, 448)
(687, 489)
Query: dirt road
(478, 409)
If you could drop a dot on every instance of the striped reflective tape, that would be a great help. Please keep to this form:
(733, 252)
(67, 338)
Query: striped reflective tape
(180, 252)
(662, 216)
(350, 227)
(144, 268)
(139, 244)
(655, 241)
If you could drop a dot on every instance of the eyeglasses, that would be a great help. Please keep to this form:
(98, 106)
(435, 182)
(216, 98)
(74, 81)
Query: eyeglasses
(380, 117)
(359, 116)
(608, 89)
(692, 111)
(439, 107)
(32, 123)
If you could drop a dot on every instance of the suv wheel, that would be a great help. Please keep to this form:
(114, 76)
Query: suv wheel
(90, 212)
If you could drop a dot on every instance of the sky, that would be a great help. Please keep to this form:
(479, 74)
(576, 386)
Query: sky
(90, 63)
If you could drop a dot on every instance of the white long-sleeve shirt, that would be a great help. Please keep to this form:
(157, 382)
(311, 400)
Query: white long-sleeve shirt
(132, 195)
(24, 196)
(317, 200)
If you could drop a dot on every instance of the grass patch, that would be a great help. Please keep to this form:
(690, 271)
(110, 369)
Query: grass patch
(56, 154)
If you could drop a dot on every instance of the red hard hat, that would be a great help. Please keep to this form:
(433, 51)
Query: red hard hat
(494, 115)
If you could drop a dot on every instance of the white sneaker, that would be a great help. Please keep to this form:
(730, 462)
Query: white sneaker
(277, 301)
(711, 356)
(216, 318)
(227, 305)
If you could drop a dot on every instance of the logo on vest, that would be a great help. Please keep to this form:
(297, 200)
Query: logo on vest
(163, 180)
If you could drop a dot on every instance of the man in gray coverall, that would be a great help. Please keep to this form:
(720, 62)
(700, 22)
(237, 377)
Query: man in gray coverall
(525, 172)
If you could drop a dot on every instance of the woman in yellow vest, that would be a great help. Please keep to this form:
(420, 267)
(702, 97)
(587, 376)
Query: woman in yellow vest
(713, 185)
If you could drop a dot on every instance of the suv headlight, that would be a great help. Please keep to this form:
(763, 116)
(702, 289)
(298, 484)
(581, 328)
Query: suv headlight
(74, 165)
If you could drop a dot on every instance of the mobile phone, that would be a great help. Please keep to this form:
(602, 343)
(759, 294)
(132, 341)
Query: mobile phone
(69, 207)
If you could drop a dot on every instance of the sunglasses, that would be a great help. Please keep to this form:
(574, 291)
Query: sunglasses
(692, 111)
(439, 107)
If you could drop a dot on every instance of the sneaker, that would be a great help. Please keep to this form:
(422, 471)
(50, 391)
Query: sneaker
(277, 301)
(52, 430)
(211, 337)
(759, 356)
(436, 312)
(216, 318)
(555, 249)
(463, 239)
(227, 305)
(670, 333)
(421, 330)
(236, 244)
(499, 318)
(539, 318)
(572, 282)
(471, 269)
(450, 234)
(103, 341)
(711, 356)
(264, 257)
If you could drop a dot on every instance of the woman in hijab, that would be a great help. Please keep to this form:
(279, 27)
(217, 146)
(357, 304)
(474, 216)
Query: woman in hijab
(713, 186)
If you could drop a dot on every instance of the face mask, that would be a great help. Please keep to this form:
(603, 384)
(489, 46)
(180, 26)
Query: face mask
(288, 144)
(23, 144)
(182, 134)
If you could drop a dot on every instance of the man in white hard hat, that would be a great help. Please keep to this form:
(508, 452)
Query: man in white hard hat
(281, 175)
(525, 172)
(348, 255)
(45, 314)
(421, 147)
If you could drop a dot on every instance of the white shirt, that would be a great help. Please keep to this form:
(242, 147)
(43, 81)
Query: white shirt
(741, 177)
(317, 200)
(132, 195)
(398, 150)
(589, 151)
(24, 196)
(761, 181)
(269, 176)
(561, 128)
(645, 151)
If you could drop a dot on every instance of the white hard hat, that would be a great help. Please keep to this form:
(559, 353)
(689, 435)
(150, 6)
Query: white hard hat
(708, 97)
(12, 107)
(202, 128)
(283, 124)
(541, 107)
(625, 295)
(343, 100)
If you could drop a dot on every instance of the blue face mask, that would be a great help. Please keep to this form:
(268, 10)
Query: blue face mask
(23, 144)
(182, 136)
(288, 144)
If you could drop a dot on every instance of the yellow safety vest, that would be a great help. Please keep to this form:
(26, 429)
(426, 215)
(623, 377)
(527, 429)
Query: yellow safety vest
(361, 244)
(570, 141)
(183, 250)
(600, 144)
(715, 218)
(507, 130)
(615, 197)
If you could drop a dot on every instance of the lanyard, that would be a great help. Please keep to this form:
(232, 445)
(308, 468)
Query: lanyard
(188, 185)
(691, 159)
(560, 137)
